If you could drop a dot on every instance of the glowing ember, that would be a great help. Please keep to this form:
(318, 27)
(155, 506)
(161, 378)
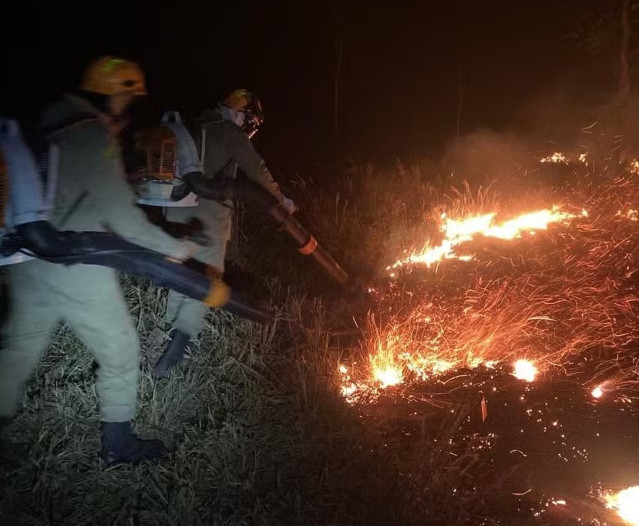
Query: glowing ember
(631, 214)
(634, 167)
(348, 387)
(525, 370)
(626, 504)
(556, 157)
(597, 392)
(458, 231)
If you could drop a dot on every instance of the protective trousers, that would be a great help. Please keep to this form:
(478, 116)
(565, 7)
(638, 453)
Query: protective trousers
(186, 314)
(89, 299)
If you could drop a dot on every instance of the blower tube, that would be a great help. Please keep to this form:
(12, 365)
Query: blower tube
(109, 250)
(257, 197)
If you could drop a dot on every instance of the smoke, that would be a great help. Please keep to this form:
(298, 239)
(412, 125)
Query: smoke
(487, 156)
(565, 119)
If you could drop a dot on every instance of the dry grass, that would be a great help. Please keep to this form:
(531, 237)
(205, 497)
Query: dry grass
(260, 432)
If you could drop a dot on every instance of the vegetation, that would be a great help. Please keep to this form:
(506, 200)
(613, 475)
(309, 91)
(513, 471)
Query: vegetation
(260, 431)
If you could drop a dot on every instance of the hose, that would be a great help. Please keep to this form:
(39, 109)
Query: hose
(109, 250)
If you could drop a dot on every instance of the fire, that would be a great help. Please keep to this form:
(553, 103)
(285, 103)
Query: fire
(556, 157)
(348, 387)
(525, 370)
(458, 231)
(626, 504)
(389, 376)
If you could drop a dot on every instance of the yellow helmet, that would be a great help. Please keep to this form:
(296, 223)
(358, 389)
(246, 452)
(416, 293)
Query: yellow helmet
(111, 75)
(239, 99)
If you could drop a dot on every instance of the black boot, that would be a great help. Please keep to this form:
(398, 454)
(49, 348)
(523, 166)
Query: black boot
(173, 353)
(120, 445)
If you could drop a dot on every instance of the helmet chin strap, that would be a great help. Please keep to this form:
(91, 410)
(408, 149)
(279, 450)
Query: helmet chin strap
(235, 116)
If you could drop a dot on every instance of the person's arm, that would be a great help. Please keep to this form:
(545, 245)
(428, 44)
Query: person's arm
(250, 162)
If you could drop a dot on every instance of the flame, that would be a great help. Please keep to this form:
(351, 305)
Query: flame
(348, 387)
(389, 376)
(634, 167)
(458, 231)
(525, 370)
(626, 504)
(597, 392)
(556, 157)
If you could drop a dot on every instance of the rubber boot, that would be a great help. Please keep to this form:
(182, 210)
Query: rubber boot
(173, 353)
(121, 446)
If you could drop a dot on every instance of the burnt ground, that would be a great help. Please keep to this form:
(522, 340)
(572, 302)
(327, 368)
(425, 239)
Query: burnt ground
(543, 455)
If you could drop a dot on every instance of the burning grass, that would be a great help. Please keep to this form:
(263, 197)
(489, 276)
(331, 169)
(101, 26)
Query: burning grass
(552, 295)
(261, 432)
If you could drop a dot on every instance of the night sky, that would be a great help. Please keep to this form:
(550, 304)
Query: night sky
(403, 67)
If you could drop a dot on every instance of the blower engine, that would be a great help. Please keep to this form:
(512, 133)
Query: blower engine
(173, 147)
(26, 233)
(169, 154)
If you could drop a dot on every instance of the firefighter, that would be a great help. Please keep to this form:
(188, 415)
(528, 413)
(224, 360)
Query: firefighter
(226, 149)
(92, 195)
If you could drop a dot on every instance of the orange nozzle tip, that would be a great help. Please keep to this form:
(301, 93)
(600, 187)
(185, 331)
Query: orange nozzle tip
(219, 294)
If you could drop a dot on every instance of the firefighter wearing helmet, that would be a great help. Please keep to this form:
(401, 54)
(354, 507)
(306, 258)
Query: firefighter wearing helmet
(92, 195)
(226, 148)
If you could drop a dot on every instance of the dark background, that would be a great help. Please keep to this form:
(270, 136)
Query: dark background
(405, 66)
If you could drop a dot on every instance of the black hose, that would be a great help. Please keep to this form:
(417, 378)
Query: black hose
(208, 189)
(109, 250)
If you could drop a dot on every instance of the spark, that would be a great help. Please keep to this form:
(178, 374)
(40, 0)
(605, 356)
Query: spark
(525, 370)
(626, 504)
(597, 392)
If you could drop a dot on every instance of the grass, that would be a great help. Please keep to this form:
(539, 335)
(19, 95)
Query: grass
(260, 432)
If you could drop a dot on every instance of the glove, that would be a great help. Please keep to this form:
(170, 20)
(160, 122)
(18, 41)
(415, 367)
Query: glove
(187, 249)
(290, 205)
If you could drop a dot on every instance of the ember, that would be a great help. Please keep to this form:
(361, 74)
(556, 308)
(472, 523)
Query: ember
(525, 370)
(556, 157)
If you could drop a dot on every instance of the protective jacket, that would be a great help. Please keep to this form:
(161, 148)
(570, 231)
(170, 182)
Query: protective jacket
(94, 194)
(226, 148)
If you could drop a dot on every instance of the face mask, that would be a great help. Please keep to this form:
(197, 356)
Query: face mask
(235, 116)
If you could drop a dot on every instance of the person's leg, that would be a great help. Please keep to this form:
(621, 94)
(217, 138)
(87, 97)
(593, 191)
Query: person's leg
(97, 312)
(187, 314)
(32, 318)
